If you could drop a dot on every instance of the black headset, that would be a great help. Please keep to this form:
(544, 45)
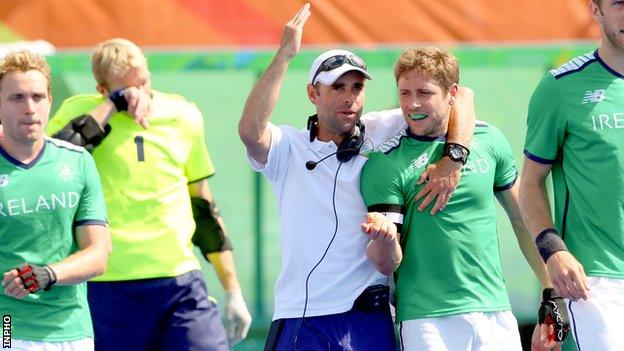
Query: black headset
(349, 147)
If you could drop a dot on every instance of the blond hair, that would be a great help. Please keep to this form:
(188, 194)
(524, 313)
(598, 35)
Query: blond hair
(113, 58)
(434, 63)
(24, 61)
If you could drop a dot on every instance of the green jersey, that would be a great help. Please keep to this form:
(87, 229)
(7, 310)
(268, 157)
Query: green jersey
(40, 203)
(574, 120)
(451, 261)
(145, 175)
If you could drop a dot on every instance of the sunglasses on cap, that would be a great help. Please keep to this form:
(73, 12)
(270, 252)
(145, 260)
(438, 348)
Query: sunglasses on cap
(334, 62)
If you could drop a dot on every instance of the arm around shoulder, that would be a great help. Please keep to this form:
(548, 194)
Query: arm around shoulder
(462, 121)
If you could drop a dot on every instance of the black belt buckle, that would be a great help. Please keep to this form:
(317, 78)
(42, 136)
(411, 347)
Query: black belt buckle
(374, 298)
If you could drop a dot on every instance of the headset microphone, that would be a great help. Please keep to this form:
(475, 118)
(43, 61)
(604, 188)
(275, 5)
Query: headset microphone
(310, 165)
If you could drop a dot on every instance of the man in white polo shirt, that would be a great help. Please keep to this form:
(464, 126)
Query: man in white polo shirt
(332, 291)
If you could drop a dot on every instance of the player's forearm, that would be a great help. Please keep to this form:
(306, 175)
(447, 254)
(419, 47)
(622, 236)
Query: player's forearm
(462, 121)
(223, 263)
(83, 265)
(534, 205)
(103, 112)
(252, 127)
(529, 250)
(385, 256)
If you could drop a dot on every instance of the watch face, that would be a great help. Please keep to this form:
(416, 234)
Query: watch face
(456, 153)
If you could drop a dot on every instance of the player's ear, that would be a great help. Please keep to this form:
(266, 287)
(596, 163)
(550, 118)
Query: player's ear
(453, 93)
(101, 89)
(313, 93)
(595, 11)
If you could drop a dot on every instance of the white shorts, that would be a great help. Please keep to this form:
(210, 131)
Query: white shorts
(75, 345)
(597, 323)
(484, 331)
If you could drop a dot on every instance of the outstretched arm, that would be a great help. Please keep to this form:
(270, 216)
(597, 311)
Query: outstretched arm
(443, 176)
(252, 127)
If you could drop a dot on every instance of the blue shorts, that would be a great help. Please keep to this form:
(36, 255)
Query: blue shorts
(357, 329)
(156, 314)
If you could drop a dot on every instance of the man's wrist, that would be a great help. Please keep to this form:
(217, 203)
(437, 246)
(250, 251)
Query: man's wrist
(118, 99)
(52, 275)
(456, 152)
(233, 292)
(549, 242)
(453, 166)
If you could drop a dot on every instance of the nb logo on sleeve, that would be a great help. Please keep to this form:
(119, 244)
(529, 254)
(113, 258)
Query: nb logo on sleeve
(4, 180)
(594, 96)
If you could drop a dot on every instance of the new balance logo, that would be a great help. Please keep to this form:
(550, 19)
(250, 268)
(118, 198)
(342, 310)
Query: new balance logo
(594, 96)
(419, 162)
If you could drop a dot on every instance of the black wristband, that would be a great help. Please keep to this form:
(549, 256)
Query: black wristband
(119, 100)
(548, 242)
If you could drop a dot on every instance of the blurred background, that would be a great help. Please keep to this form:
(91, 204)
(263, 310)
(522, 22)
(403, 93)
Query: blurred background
(212, 51)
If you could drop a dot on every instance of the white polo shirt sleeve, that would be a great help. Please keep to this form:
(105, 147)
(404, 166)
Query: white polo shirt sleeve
(279, 152)
(383, 125)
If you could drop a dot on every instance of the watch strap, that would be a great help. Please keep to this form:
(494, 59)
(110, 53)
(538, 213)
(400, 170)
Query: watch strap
(465, 152)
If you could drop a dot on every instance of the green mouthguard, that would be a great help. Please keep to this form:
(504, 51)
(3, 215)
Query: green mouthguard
(418, 116)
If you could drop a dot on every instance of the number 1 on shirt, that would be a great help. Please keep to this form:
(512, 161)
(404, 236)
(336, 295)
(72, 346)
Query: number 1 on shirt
(138, 140)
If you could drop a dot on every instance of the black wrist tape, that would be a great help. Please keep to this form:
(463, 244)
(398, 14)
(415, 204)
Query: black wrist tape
(548, 242)
(119, 100)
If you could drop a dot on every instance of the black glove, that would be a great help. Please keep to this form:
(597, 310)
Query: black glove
(36, 278)
(553, 311)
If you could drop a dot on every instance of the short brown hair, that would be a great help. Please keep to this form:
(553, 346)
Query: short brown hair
(436, 64)
(113, 58)
(23, 61)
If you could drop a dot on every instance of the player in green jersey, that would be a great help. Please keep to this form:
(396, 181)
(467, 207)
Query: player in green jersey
(53, 231)
(150, 151)
(450, 290)
(574, 131)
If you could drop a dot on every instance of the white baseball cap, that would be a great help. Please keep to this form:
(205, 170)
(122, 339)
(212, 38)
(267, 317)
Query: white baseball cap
(327, 76)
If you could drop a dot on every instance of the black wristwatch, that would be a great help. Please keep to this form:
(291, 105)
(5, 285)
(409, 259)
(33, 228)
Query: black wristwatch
(456, 152)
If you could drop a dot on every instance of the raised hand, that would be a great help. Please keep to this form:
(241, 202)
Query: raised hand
(139, 105)
(290, 43)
